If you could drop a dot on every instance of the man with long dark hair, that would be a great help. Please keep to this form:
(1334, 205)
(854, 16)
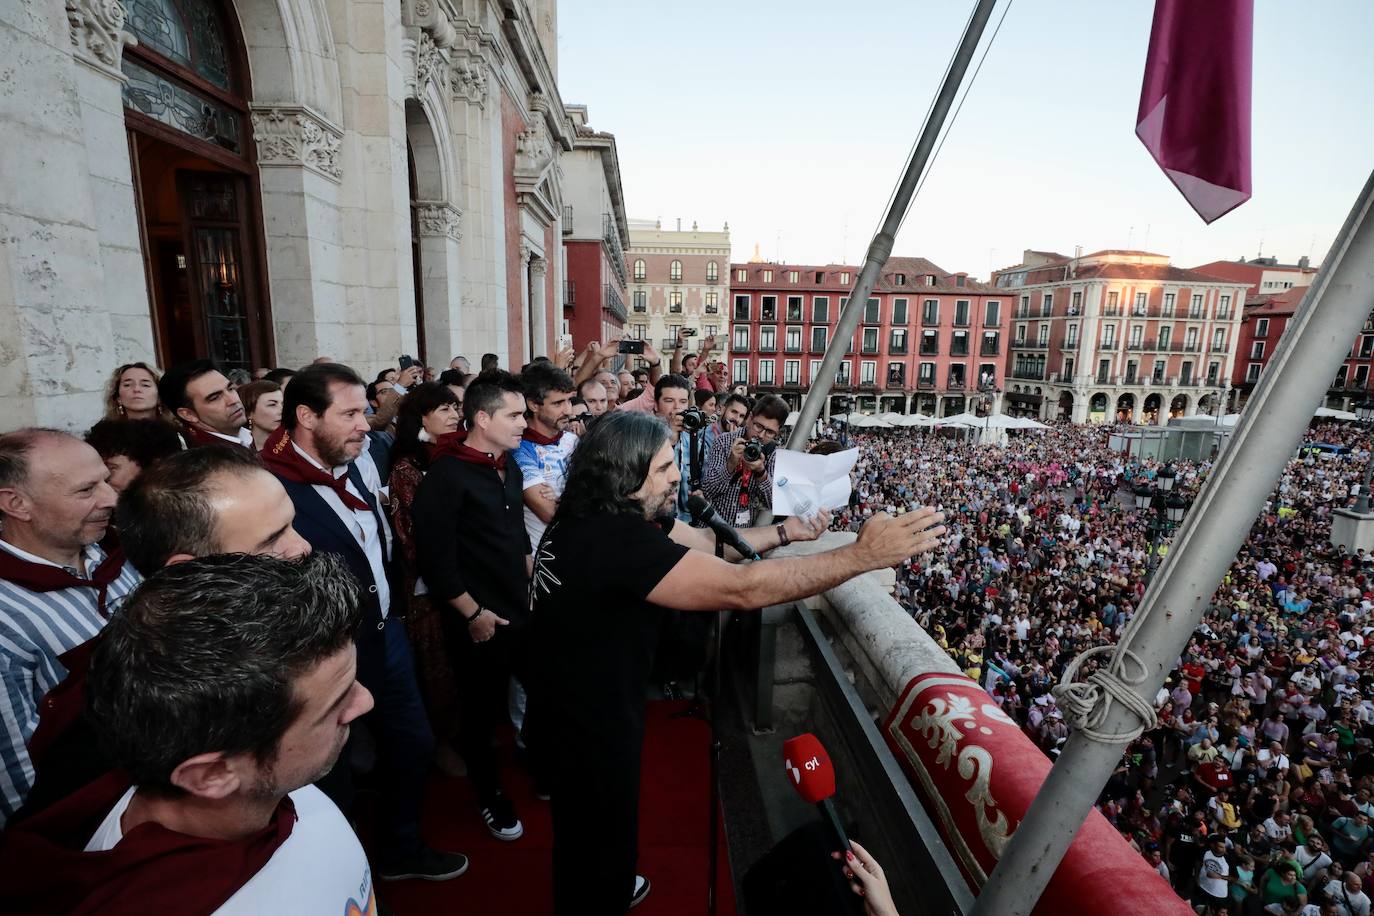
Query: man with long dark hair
(596, 621)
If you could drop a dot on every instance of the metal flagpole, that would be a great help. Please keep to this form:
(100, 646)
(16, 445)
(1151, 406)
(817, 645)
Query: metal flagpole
(1116, 703)
(880, 249)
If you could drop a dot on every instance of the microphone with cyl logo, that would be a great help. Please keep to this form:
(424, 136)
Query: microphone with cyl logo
(809, 769)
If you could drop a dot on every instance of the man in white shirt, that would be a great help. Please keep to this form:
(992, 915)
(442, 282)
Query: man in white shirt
(1211, 877)
(1348, 895)
(223, 689)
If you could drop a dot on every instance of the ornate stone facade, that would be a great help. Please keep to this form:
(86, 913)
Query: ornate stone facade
(296, 137)
(439, 219)
(97, 31)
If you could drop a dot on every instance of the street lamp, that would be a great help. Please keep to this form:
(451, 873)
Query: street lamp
(1168, 510)
(1364, 412)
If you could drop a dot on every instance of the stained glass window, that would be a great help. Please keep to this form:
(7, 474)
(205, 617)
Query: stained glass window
(159, 98)
(188, 32)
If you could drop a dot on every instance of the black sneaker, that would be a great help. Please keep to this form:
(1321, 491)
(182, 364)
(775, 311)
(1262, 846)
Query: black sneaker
(641, 891)
(499, 814)
(426, 865)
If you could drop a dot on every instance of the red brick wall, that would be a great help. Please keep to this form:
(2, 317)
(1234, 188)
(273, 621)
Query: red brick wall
(584, 270)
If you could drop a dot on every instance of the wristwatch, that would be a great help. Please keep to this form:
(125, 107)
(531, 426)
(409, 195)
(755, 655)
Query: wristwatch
(477, 614)
(782, 535)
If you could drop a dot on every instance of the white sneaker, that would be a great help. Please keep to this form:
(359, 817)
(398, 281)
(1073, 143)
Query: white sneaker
(641, 891)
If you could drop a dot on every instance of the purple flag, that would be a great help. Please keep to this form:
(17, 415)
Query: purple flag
(1194, 113)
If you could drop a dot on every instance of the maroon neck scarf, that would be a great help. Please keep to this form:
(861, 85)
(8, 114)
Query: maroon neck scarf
(453, 445)
(44, 867)
(40, 577)
(533, 435)
(197, 436)
(284, 461)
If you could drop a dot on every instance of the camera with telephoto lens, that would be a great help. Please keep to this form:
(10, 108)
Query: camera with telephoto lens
(694, 420)
(754, 450)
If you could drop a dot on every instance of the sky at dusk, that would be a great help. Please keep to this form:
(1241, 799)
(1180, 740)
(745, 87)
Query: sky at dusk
(792, 121)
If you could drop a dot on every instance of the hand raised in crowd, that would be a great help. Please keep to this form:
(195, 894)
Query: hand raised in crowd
(564, 357)
(708, 343)
(483, 627)
(607, 350)
(410, 376)
(809, 528)
(866, 879)
(651, 354)
(888, 541)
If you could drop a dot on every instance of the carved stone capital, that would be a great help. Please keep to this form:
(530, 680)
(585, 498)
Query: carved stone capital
(296, 136)
(426, 14)
(526, 252)
(97, 33)
(439, 219)
(469, 78)
(429, 63)
(539, 266)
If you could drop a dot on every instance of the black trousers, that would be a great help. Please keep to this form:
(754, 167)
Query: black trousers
(595, 821)
(483, 671)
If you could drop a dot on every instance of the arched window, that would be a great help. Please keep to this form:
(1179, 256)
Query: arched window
(675, 272)
(639, 270)
(186, 32)
(712, 272)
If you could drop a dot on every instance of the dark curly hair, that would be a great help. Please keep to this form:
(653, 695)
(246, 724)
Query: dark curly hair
(422, 399)
(611, 462)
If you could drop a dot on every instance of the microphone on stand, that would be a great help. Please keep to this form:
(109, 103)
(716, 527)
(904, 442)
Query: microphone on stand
(701, 511)
(810, 772)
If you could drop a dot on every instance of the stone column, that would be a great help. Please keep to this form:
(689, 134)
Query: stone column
(67, 206)
(441, 265)
(541, 306)
(300, 171)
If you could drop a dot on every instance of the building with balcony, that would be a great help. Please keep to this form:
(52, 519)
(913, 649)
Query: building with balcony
(1266, 276)
(1118, 336)
(929, 340)
(595, 235)
(678, 279)
(266, 183)
(1264, 322)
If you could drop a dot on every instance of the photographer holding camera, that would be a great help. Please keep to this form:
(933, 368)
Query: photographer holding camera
(739, 467)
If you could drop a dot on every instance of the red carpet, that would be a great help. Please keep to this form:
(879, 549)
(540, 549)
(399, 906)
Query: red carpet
(514, 879)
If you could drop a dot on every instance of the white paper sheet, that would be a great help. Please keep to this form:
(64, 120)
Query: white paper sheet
(803, 484)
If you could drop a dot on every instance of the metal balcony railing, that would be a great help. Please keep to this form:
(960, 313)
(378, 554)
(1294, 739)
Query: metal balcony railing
(569, 294)
(612, 302)
(610, 234)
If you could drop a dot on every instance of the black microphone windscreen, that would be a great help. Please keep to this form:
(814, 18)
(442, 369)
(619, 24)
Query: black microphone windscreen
(698, 507)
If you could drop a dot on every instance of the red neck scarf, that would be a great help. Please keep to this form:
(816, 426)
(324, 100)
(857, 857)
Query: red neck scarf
(197, 437)
(533, 435)
(44, 867)
(40, 577)
(282, 459)
(452, 444)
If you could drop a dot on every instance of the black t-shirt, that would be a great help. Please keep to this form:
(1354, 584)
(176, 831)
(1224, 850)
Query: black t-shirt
(593, 626)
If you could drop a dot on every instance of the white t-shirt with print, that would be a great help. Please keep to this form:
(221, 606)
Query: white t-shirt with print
(320, 869)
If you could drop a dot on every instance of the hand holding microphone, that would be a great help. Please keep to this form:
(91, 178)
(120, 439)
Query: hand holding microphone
(812, 775)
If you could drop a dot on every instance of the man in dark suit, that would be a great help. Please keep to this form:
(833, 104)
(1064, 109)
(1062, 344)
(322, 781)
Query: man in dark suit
(324, 429)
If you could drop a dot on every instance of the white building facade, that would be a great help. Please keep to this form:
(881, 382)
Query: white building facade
(267, 181)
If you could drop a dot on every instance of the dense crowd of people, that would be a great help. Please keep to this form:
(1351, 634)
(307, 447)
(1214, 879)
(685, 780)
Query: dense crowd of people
(241, 597)
(426, 513)
(1253, 794)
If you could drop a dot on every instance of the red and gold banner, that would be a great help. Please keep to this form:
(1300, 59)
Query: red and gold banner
(977, 773)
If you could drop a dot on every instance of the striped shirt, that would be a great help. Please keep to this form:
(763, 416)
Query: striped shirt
(35, 628)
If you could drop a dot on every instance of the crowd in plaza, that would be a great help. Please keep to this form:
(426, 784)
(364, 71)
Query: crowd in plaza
(442, 494)
(1253, 794)
(239, 599)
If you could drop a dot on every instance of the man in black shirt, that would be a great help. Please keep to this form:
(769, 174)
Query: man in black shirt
(474, 555)
(596, 618)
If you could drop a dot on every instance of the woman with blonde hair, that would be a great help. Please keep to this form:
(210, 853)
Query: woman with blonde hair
(132, 394)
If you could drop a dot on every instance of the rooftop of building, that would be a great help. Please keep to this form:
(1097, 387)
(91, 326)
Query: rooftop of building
(1039, 267)
(1276, 304)
(900, 275)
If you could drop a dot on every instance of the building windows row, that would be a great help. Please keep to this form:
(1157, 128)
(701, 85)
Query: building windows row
(640, 302)
(820, 310)
(641, 273)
